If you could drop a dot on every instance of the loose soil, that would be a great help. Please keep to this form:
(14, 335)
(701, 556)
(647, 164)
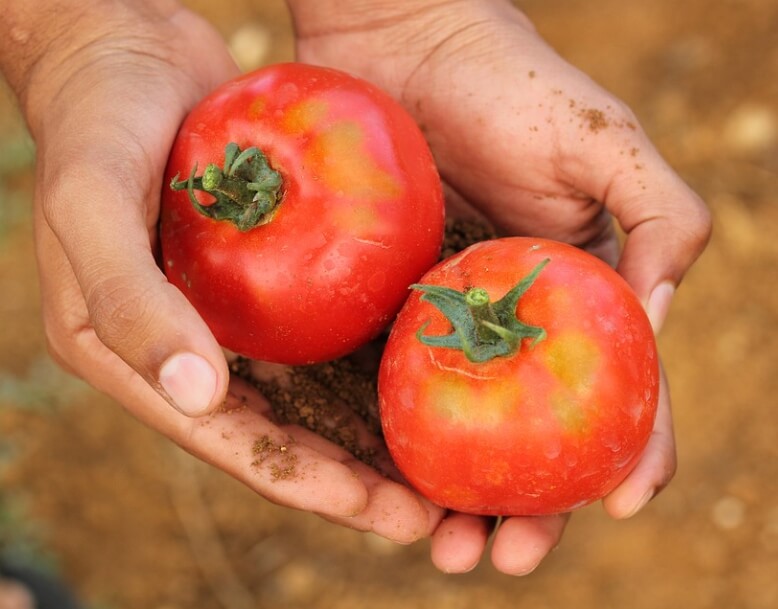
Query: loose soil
(131, 521)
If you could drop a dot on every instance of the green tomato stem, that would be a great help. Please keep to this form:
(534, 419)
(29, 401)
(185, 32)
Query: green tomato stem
(482, 330)
(481, 310)
(246, 191)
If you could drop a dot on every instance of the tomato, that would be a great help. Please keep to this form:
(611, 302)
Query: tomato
(520, 378)
(318, 204)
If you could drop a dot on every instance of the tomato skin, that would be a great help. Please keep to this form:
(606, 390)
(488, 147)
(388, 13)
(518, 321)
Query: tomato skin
(545, 430)
(360, 219)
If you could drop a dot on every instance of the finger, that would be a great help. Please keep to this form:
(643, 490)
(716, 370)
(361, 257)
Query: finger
(654, 470)
(94, 213)
(667, 224)
(521, 543)
(459, 542)
(284, 468)
(393, 510)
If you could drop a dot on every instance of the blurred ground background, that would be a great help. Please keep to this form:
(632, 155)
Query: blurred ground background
(130, 522)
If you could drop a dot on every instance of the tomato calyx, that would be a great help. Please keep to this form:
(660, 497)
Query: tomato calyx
(246, 190)
(482, 330)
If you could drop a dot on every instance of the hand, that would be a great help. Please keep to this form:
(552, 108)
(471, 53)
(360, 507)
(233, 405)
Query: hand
(103, 100)
(538, 149)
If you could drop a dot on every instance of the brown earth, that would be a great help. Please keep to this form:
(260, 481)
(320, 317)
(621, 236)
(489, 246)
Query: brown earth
(132, 522)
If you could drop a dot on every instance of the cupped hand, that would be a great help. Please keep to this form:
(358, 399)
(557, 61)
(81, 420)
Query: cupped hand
(103, 105)
(537, 148)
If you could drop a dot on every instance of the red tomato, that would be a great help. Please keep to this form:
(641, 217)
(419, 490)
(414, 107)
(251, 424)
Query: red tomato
(547, 414)
(303, 249)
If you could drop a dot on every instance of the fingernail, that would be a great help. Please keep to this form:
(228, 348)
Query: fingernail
(189, 381)
(641, 503)
(659, 304)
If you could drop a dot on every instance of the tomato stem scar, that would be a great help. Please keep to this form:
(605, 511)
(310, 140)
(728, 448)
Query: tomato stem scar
(482, 330)
(246, 190)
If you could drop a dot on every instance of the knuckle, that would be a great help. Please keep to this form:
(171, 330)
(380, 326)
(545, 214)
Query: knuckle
(625, 114)
(59, 186)
(701, 224)
(694, 223)
(57, 355)
(64, 325)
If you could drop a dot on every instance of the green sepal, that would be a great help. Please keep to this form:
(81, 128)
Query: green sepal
(246, 190)
(481, 332)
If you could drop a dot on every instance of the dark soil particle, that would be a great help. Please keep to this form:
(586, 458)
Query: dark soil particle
(285, 460)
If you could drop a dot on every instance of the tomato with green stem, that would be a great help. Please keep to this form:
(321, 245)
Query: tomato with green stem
(520, 378)
(301, 204)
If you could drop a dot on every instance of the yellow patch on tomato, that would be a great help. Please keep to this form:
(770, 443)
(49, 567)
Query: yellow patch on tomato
(574, 360)
(346, 168)
(358, 219)
(304, 116)
(468, 402)
(257, 108)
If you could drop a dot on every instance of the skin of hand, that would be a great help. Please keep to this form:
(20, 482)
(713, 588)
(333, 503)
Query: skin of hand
(103, 87)
(538, 148)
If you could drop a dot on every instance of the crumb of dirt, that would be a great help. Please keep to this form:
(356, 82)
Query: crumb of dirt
(285, 466)
(595, 119)
(314, 396)
(241, 367)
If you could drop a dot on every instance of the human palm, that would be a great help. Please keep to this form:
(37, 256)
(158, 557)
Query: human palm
(536, 148)
(104, 121)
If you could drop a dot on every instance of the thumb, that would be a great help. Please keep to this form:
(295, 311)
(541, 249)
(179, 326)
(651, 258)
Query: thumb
(100, 221)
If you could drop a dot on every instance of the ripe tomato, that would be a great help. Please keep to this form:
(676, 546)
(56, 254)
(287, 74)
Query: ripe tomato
(553, 398)
(318, 204)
